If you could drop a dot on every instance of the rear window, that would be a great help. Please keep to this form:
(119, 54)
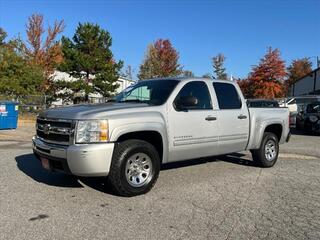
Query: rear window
(227, 95)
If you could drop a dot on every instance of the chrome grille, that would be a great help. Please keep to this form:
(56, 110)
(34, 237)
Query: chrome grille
(56, 131)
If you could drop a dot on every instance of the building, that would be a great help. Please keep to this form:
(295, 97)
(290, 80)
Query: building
(307, 85)
(94, 98)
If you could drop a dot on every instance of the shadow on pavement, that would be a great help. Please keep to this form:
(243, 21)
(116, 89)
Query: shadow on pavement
(31, 166)
(235, 158)
(294, 131)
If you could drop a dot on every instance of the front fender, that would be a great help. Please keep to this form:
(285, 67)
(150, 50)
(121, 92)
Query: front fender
(145, 126)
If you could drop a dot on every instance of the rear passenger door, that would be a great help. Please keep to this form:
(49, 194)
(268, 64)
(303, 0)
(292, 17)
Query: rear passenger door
(233, 118)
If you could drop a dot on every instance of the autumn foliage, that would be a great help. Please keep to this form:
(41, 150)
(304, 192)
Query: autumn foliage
(44, 51)
(161, 60)
(297, 69)
(266, 80)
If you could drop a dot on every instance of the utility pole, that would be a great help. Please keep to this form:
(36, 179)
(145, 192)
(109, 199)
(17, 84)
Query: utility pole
(317, 61)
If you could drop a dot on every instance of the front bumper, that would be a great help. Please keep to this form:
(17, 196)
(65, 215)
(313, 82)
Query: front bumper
(77, 159)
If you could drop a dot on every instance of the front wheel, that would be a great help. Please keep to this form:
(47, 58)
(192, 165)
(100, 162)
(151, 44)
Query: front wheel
(135, 168)
(267, 154)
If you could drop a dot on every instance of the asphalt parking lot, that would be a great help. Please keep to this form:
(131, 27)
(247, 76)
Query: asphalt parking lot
(215, 198)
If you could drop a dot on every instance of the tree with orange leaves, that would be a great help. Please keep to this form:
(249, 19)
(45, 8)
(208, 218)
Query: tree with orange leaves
(267, 78)
(44, 51)
(297, 69)
(246, 87)
(161, 60)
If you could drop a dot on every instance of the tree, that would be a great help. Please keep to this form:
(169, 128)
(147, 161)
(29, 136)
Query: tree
(3, 35)
(218, 69)
(297, 69)
(17, 77)
(89, 59)
(128, 73)
(267, 78)
(161, 60)
(207, 75)
(45, 52)
(187, 73)
(246, 87)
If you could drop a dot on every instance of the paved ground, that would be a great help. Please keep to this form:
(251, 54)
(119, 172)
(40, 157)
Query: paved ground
(216, 198)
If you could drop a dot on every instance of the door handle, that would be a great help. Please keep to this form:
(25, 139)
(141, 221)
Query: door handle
(209, 118)
(241, 116)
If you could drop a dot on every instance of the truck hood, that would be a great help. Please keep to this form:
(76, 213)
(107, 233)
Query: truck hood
(88, 111)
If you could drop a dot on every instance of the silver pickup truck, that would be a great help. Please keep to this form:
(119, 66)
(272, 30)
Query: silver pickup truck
(154, 122)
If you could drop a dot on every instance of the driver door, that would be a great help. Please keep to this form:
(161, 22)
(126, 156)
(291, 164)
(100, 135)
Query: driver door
(193, 130)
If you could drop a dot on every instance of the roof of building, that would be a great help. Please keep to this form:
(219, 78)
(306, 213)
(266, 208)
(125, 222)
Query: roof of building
(308, 74)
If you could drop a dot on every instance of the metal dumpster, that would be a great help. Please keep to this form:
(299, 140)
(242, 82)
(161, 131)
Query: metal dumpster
(8, 115)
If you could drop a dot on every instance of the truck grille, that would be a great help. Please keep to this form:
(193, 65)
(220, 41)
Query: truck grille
(55, 130)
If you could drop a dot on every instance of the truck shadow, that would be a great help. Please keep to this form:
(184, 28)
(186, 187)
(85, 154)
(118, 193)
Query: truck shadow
(235, 158)
(31, 166)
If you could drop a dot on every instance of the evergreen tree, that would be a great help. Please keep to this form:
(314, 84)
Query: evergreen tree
(17, 77)
(218, 68)
(89, 59)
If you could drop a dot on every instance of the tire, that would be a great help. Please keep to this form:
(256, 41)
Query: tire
(134, 168)
(269, 144)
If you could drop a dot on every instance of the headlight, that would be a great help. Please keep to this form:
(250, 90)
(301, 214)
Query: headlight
(92, 131)
(313, 119)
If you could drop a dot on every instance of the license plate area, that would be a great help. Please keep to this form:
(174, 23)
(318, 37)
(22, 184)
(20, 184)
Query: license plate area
(45, 163)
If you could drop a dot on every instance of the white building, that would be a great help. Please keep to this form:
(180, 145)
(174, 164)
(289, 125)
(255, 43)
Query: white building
(307, 85)
(95, 98)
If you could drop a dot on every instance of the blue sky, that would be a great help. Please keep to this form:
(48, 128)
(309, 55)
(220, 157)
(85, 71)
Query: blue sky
(242, 29)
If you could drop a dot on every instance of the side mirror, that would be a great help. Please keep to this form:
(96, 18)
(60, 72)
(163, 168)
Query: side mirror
(184, 103)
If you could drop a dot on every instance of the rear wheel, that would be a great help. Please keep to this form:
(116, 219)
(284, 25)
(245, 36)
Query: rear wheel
(135, 168)
(267, 154)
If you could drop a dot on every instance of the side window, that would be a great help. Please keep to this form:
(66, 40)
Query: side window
(196, 96)
(227, 95)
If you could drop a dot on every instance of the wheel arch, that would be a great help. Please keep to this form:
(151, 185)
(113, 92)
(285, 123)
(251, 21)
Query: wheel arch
(155, 134)
(275, 127)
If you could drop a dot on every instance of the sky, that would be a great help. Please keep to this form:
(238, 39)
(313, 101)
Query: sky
(241, 30)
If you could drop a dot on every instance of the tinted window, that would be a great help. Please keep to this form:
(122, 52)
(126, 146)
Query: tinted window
(227, 96)
(262, 104)
(198, 90)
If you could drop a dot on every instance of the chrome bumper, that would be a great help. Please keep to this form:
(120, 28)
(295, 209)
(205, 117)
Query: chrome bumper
(77, 159)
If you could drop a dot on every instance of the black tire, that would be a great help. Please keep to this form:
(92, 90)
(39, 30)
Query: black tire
(259, 155)
(122, 154)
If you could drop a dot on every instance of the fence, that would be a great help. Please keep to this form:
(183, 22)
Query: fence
(28, 104)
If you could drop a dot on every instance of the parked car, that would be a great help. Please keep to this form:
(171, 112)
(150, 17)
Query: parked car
(297, 104)
(309, 118)
(155, 122)
(262, 103)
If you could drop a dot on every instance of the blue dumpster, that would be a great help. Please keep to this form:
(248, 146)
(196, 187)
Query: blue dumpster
(8, 115)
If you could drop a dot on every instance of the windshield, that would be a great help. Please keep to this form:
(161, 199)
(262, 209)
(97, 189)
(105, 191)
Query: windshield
(153, 92)
(313, 108)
